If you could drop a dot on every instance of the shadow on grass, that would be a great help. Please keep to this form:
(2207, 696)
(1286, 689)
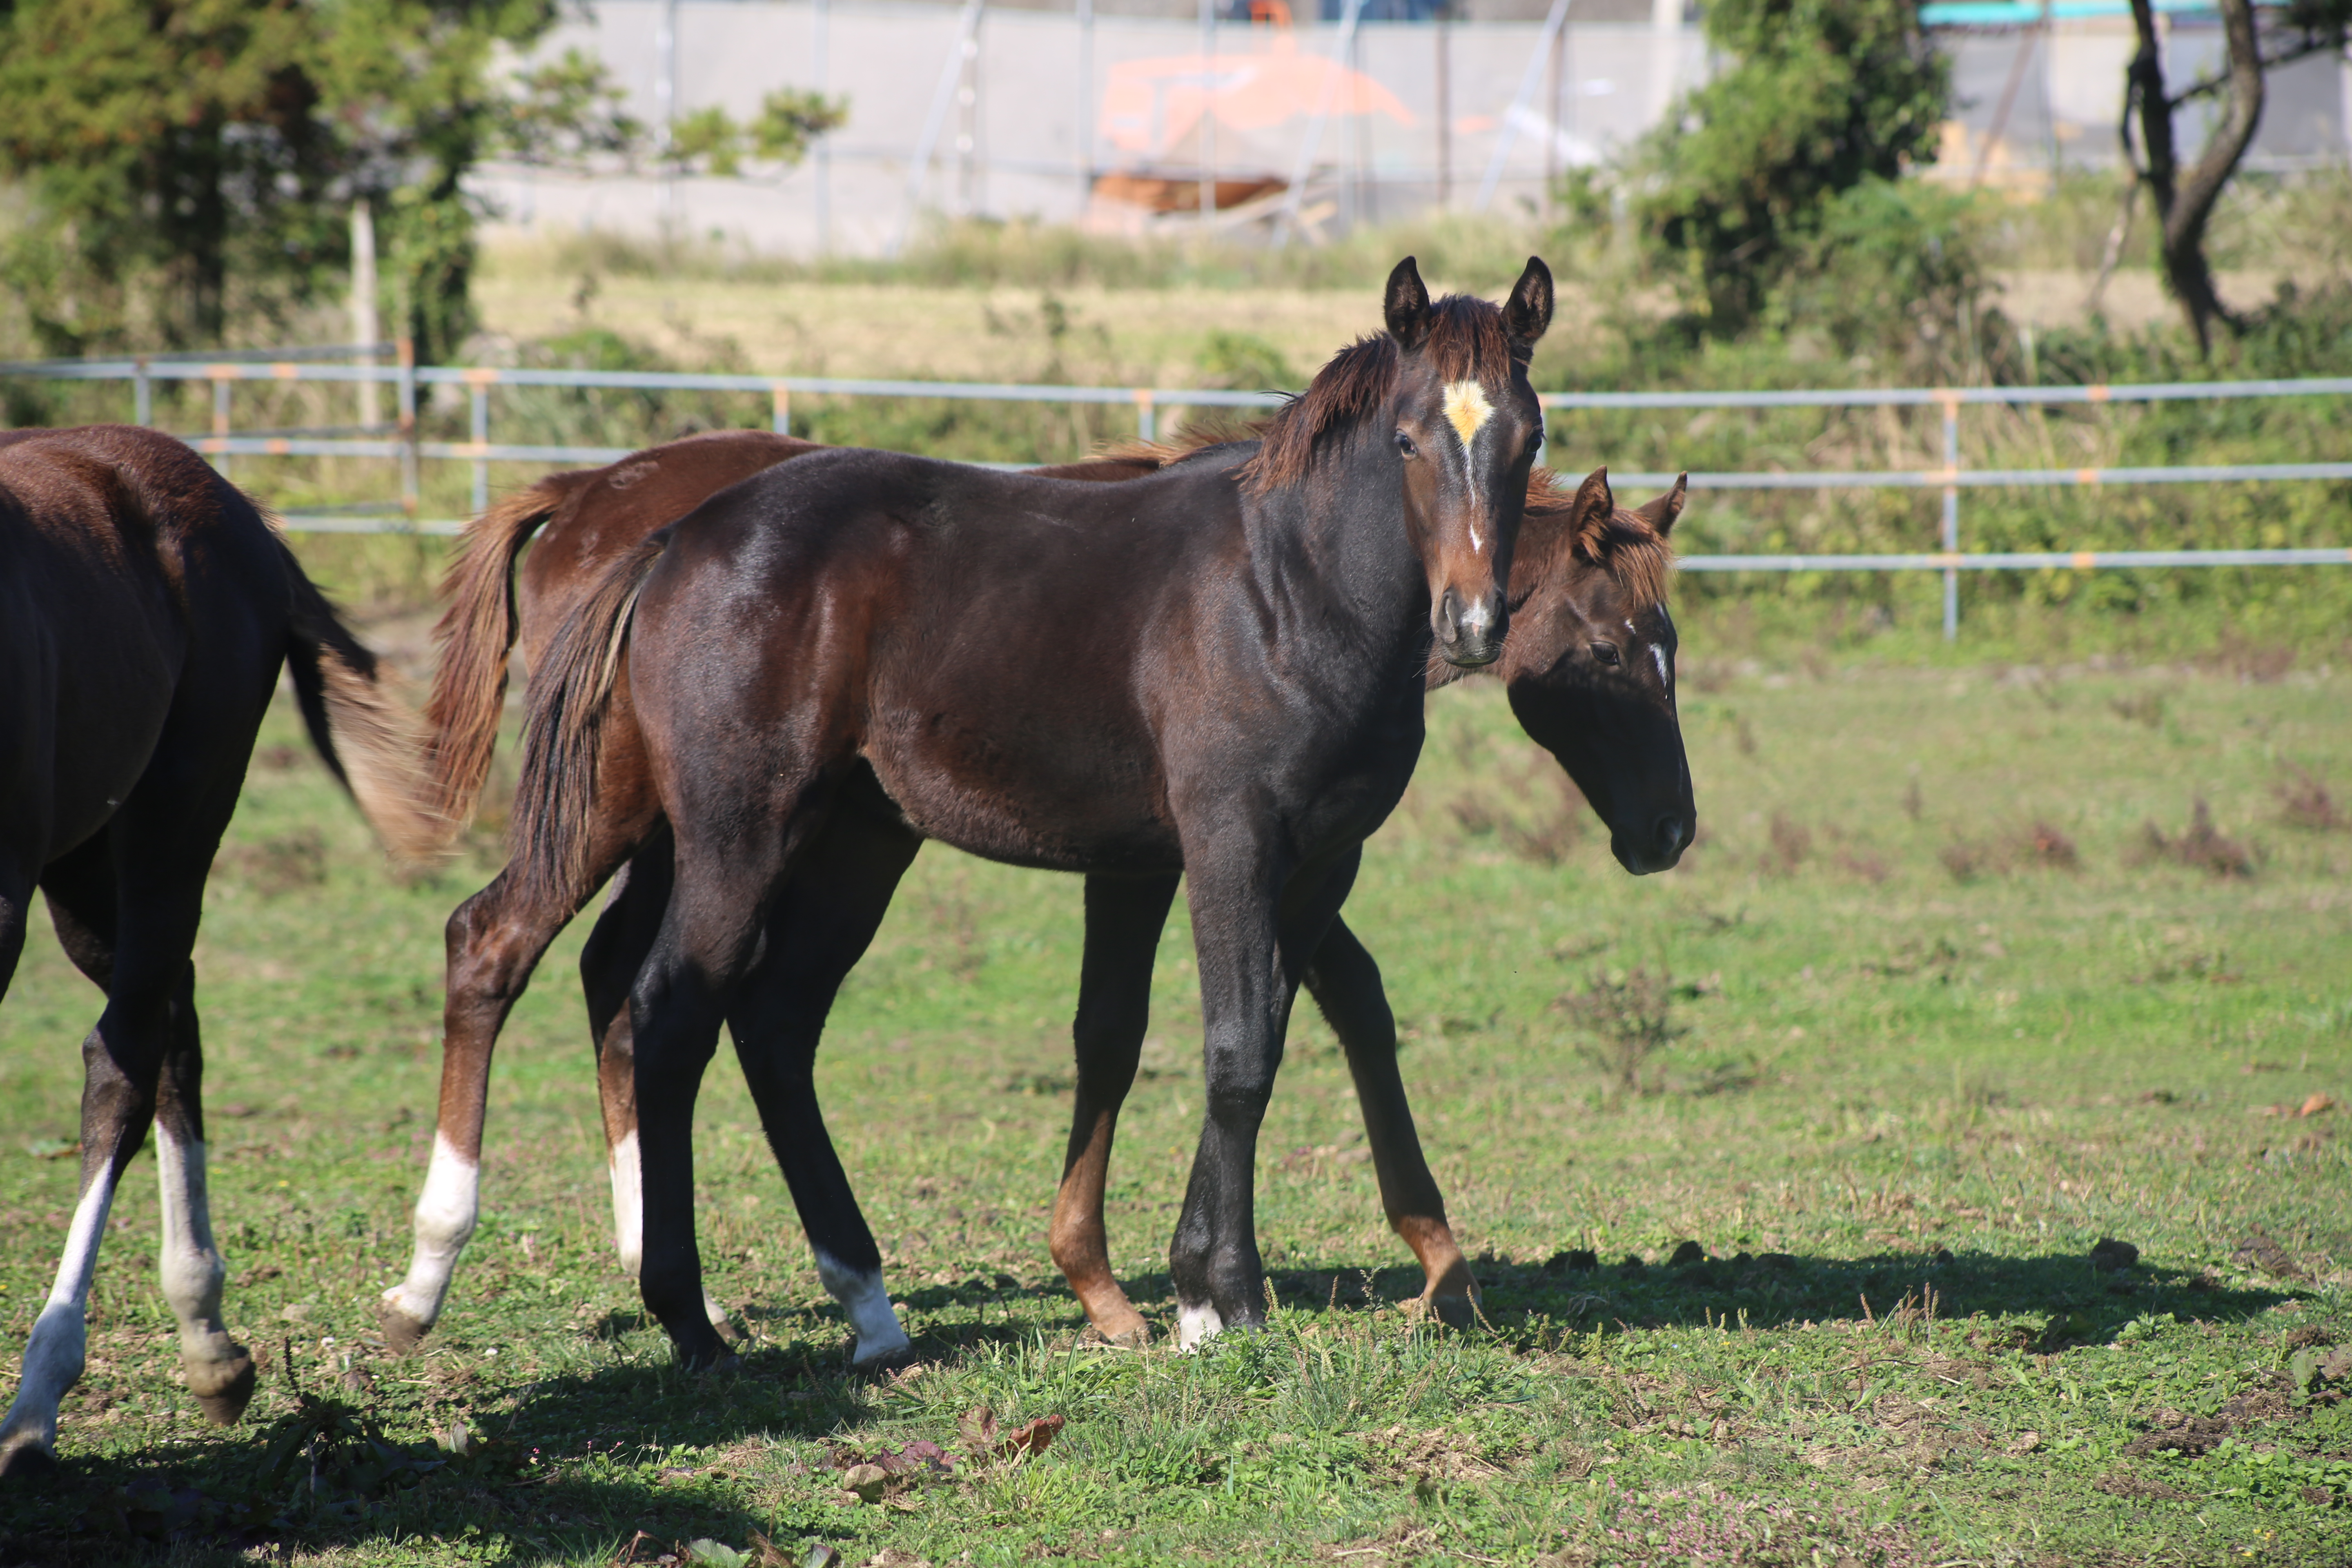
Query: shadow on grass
(587, 1458)
(582, 1462)
(2080, 1303)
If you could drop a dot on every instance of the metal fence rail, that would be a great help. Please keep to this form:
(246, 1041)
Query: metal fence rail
(403, 442)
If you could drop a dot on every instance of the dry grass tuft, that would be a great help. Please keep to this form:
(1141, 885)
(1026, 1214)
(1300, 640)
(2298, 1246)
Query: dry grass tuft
(2305, 801)
(1790, 843)
(2204, 847)
(1627, 1022)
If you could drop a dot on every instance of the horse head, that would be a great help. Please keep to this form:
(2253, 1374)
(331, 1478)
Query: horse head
(1589, 666)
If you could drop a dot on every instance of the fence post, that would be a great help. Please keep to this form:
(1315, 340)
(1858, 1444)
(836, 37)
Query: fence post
(409, 455)
(1146, 418)
(220, 420)
(143, 393)
(481, 433)
(1951, 534)
(781, 421)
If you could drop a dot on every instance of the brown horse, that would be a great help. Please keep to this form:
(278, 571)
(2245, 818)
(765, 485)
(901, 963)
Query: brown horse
(146, 608)
(1212, 672)
(1585, 571)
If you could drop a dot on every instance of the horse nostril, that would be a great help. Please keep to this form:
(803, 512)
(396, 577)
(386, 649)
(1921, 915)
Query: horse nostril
(1670, 833)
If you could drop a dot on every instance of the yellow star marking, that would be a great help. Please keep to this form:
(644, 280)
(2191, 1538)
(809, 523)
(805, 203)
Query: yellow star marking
(1466, 408)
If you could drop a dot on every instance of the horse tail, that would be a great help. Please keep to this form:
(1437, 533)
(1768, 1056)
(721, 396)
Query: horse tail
(476, 634)
(564, 729)
(370, 740)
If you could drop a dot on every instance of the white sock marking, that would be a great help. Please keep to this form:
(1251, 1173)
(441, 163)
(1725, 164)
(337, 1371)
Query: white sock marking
(628, 1203)
(868, 1304)
(53, 1356)
(445, 1213)
(190, 1267)
(1196, 1326)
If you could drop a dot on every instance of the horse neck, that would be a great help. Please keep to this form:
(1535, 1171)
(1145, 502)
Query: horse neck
(1345, 519)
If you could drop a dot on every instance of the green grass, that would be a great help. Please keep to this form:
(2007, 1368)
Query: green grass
(1915, 1102)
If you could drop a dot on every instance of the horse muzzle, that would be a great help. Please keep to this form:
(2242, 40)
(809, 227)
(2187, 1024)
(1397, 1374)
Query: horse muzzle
(1470, 630)
(1661, 848)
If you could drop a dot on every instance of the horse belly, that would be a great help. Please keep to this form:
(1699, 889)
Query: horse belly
(1065, 808)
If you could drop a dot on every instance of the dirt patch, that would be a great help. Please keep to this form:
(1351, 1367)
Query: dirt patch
(2138, 1488)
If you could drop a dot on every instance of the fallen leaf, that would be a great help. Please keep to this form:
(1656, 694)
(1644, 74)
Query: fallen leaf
(709, 1553)
(2317, 1104)
(978, 1428)
(2026, 1443)
(1031, 1437)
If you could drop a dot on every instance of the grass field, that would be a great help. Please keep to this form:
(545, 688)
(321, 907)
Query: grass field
(1953, 1017)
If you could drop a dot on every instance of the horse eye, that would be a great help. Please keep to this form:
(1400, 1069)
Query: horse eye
(1606, 652)
(1405, 445)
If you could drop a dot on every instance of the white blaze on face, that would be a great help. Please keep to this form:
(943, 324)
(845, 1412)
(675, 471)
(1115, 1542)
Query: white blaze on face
(1467, 410)
(1658, 653)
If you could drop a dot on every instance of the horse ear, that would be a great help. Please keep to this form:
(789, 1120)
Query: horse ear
(1660, 514)
(1590, 513)
(1406, 306)
(1528, 312)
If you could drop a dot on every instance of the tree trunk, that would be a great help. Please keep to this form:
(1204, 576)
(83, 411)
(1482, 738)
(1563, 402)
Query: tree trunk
(2184, 201)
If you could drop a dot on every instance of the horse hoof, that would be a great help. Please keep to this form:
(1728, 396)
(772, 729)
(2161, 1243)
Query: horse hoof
(885, 1363)
(223, 1388)
(402, 1333)
(1454, 1311)
(1137, 1338)
(27, 1461)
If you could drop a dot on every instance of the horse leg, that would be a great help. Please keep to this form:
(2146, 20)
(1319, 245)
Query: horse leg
(710, 940)
(160, 848)
(609, 962)
(1124, 919)
(1254, 937)
(817, 930)
(494, 942)
(1346, 983)
(81, 894)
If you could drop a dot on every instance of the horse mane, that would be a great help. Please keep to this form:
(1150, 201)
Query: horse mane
(1629, 548)
(1466, 342)
(1633, 552)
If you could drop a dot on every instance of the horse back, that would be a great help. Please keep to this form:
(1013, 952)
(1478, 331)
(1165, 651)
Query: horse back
(596, 516)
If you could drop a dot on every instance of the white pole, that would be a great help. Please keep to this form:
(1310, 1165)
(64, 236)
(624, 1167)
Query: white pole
(666, 103)
(820, 69)
(366, 330)
(1208, 198)
(919, 172)
(1313, 141)
(1085, 105)
(1528, 80)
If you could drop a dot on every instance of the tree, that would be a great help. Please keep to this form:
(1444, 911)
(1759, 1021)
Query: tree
(1821, 96)
(171, 147)
(2184, 199)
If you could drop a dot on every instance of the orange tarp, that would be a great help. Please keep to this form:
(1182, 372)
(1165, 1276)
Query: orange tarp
(1150, 105)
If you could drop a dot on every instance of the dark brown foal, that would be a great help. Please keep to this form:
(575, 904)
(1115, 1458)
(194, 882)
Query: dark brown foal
(146, 608)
